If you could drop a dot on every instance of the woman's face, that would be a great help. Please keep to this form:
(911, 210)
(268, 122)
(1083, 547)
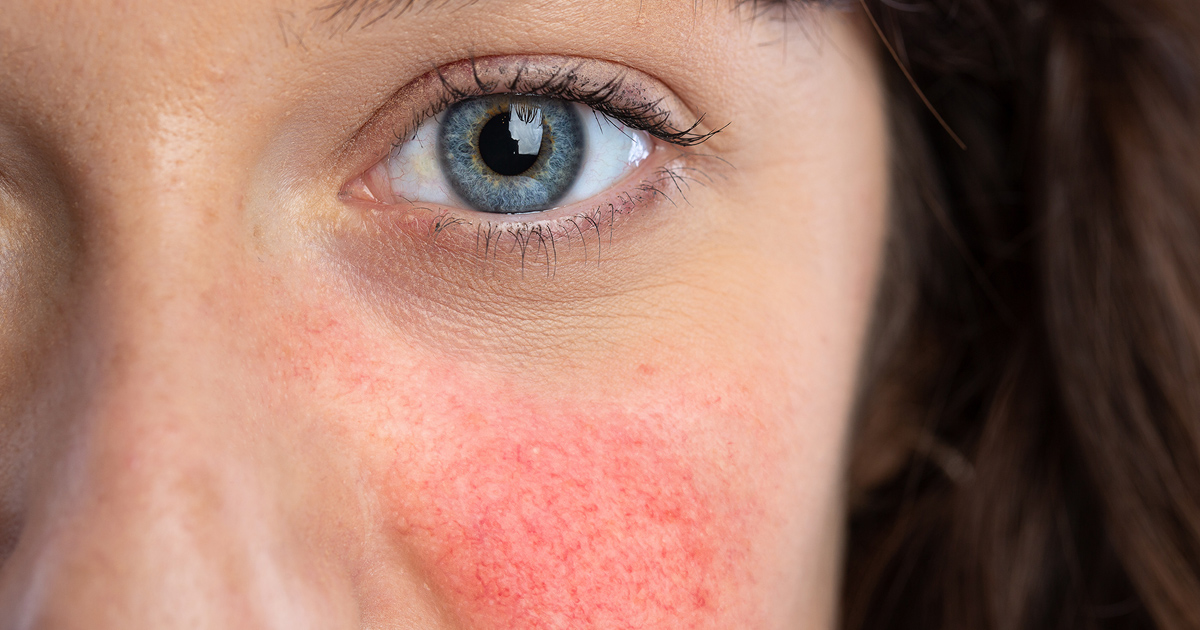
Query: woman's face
(269, 358)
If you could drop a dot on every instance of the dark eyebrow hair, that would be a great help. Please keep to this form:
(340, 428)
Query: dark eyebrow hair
(348, 14)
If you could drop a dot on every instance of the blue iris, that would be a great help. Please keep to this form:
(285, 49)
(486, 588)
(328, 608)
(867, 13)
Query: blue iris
(498, 158)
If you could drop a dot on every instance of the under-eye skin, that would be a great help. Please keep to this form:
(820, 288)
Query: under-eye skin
(528, 147)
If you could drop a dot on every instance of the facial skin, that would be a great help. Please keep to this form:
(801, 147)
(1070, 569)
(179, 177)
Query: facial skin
(238, 392)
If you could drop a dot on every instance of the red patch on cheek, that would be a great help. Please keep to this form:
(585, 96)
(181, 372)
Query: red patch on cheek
(655, 509)
(570, 522)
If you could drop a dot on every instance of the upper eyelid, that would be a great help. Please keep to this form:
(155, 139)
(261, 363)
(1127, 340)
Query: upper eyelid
(637, 100)
(564, 83)
(647, 116)
(604, 86)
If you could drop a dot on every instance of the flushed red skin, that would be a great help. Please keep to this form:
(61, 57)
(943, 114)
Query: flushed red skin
(575, 522)
(642, 504)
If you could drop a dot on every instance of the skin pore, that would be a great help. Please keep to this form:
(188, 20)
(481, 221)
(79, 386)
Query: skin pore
(240, 392)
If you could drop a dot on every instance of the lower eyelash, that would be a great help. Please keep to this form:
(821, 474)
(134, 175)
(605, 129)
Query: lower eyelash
(542, 242)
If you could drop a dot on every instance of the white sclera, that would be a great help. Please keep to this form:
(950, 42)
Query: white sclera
(415, 170)
(611, 151)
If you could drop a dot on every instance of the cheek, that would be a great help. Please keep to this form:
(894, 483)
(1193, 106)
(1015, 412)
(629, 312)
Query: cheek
(649, 499)
(571, 519)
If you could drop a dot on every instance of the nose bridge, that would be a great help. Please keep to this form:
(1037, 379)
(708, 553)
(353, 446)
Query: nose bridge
(155, 344)
(151, 502)
(162, 288)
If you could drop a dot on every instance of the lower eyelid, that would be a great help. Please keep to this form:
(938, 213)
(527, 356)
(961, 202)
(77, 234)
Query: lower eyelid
(541, 242)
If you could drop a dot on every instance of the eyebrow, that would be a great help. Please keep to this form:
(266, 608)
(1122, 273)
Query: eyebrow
(349, 14)
(363, 13)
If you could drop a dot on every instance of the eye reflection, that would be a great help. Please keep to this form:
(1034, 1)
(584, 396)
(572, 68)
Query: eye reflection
(511, 142)
(510, 154)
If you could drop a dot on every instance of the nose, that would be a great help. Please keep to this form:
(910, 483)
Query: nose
(167, 489)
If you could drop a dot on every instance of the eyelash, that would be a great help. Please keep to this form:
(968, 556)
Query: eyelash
(564, 84)
(541, 238)
(544, 235)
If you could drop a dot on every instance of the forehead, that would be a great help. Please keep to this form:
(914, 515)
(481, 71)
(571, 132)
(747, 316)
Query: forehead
(208, 28)
(93, 68)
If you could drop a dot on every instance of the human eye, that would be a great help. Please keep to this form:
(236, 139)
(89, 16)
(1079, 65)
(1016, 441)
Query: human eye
(509, 154)
(533, 144)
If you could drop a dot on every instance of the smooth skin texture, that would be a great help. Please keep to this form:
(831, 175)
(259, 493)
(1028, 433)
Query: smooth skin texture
(232, 397)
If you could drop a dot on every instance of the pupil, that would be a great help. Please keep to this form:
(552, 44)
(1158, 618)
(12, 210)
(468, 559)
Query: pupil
(499, 150)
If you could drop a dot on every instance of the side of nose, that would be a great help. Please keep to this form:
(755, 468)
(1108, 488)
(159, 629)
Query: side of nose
(162, 492)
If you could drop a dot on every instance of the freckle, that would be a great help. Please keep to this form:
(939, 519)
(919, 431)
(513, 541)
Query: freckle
(647, 370)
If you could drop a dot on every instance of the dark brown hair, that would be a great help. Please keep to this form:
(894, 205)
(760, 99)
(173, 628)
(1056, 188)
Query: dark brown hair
(1028, 448)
